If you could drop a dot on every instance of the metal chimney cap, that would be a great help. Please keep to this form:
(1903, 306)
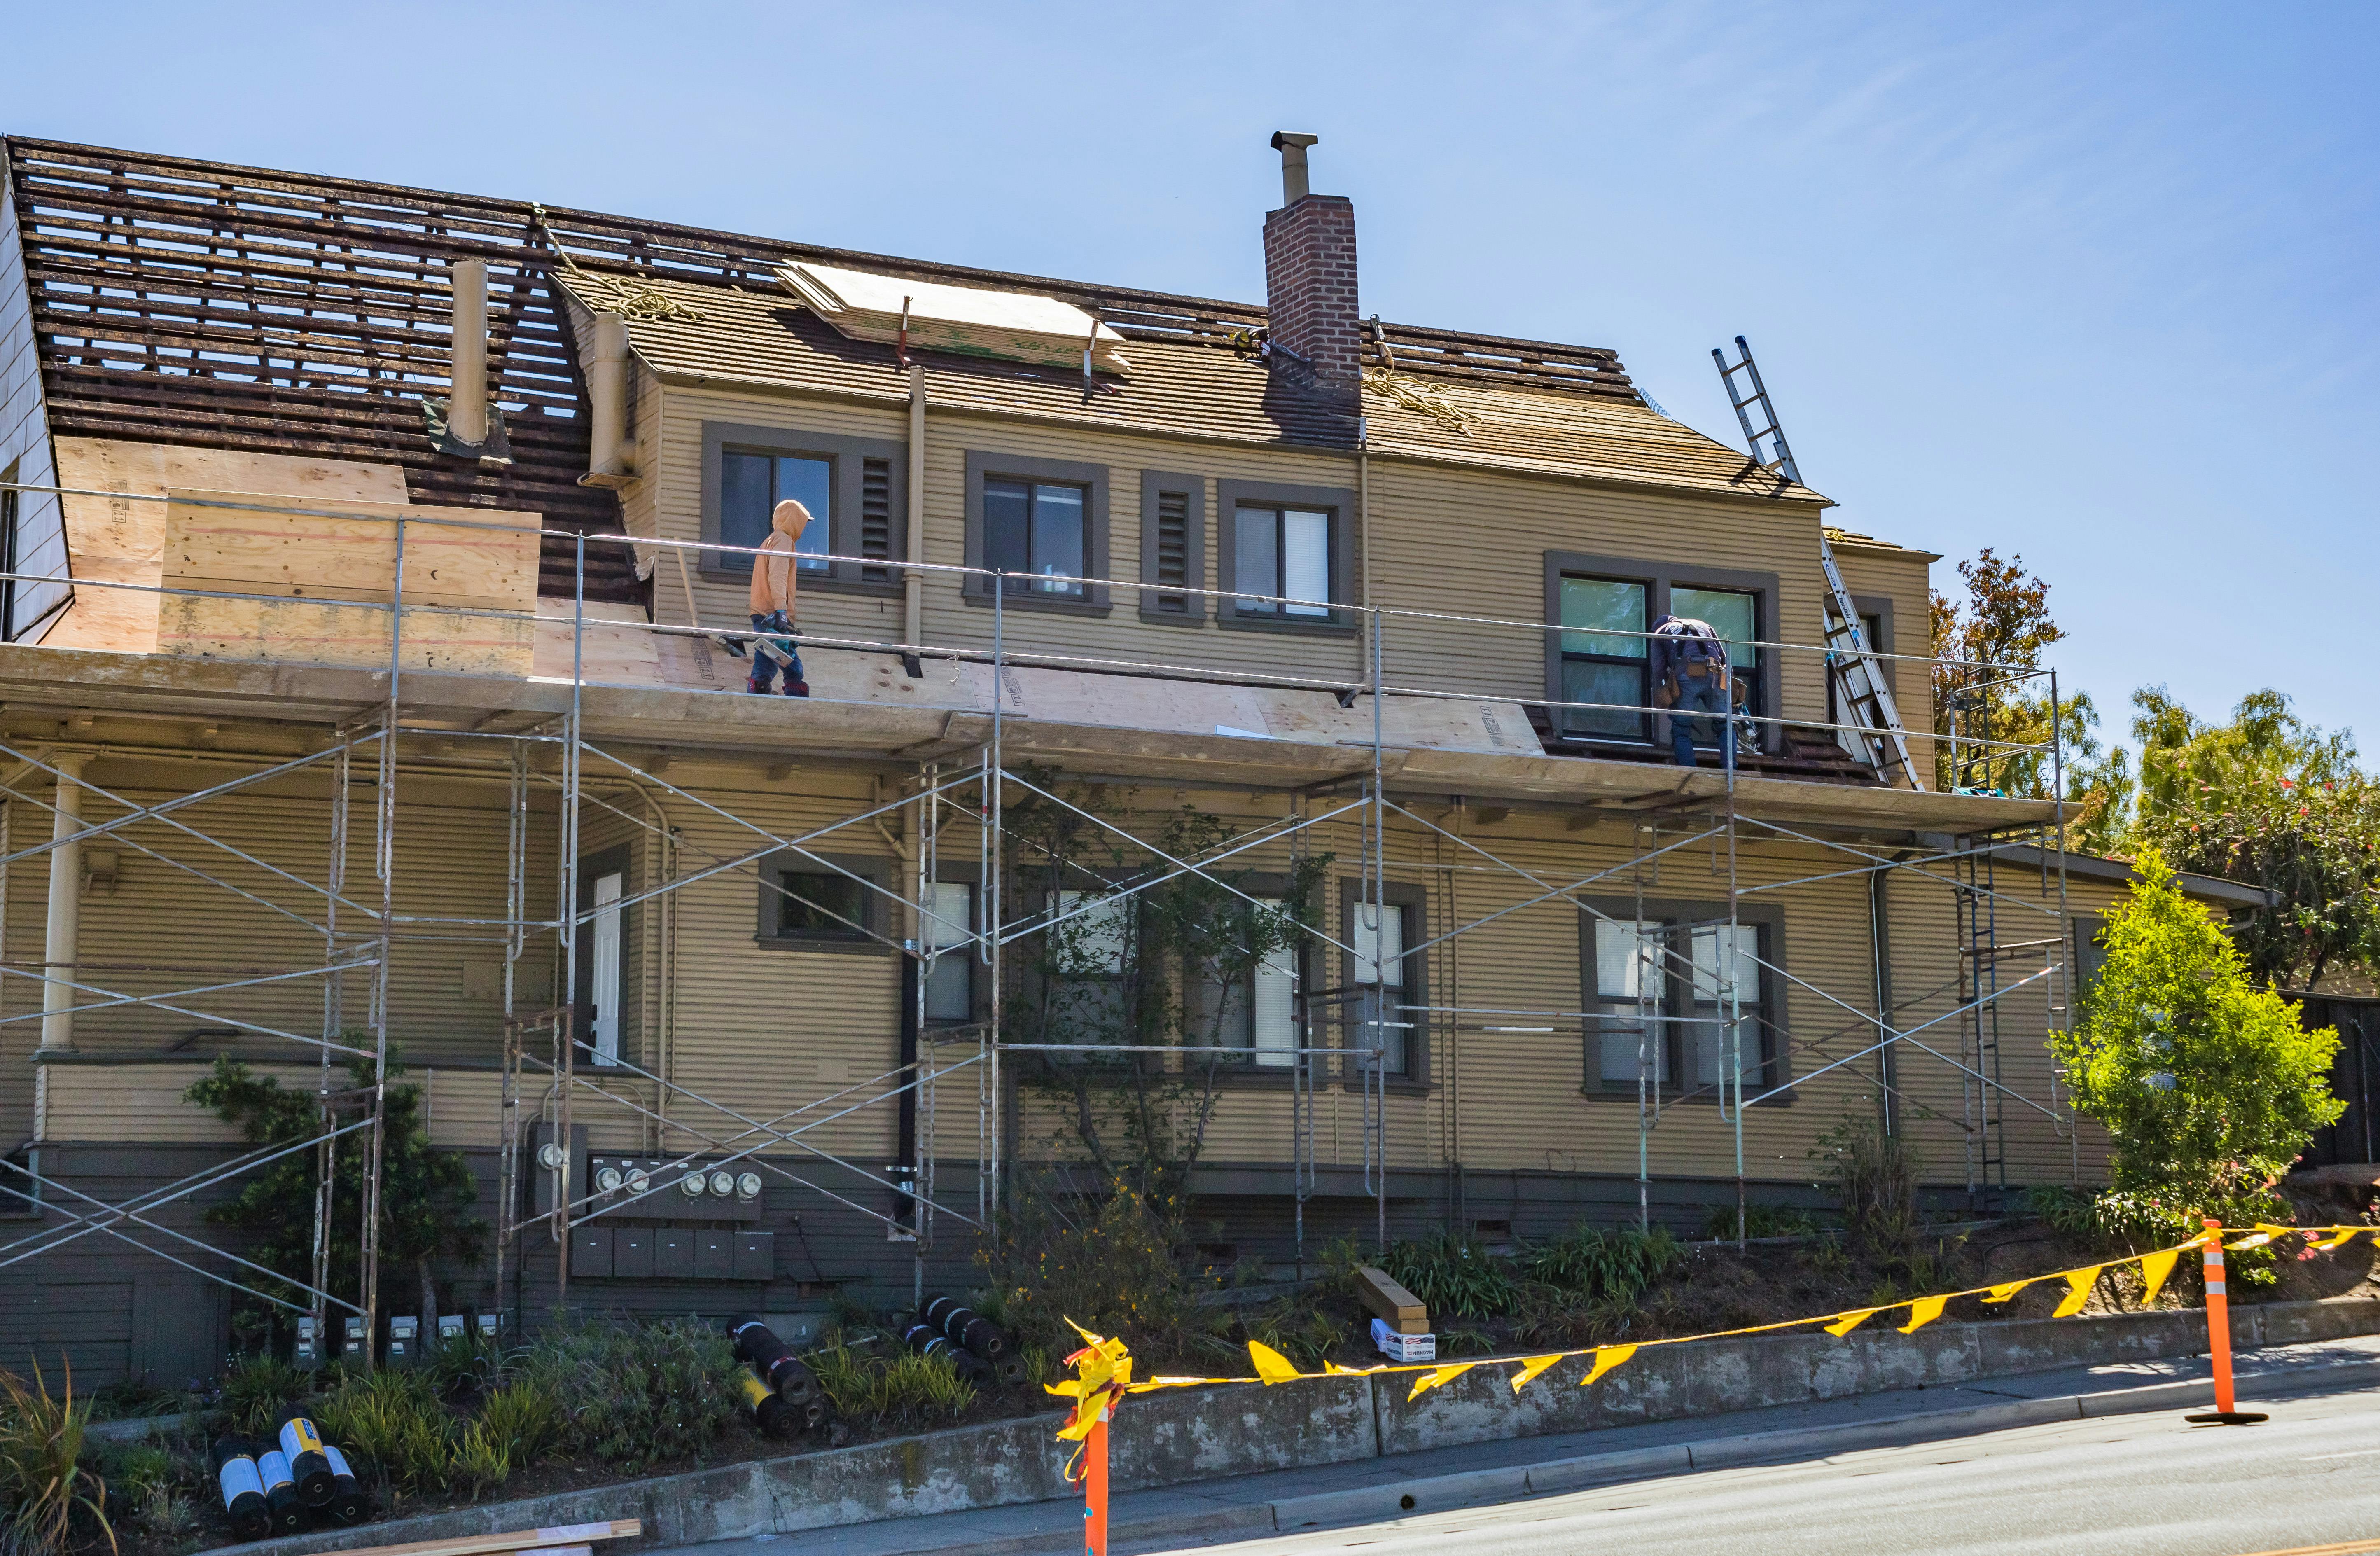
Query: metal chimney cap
(1292, 147)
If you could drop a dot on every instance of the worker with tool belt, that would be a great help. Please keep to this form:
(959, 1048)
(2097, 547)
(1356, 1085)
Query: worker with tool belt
(772, 603)
(1689, 666)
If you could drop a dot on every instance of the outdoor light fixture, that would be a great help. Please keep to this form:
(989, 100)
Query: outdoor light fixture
(723, 1183)
(748, 1187)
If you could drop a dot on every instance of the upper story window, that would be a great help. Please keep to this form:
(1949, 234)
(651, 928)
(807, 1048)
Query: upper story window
(751, 485)
(854, 488)
(1281, 557)
(1604, 662)
(1041, 527)
(1042, 522)
(1734, 615)
(1603, 605)
(1285, 554)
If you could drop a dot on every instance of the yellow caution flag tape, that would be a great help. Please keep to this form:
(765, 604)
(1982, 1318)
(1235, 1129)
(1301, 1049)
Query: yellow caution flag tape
(1103, 1367)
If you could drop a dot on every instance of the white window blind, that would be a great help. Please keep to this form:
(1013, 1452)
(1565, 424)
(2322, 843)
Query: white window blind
(1628, 984)
(1306, 561)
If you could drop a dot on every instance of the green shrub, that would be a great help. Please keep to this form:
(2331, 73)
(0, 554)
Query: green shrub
(1453, 1276)
(1615, 1265)
(1759, 1220)
(256, 1389)
(467, 1364)
(633, 1395)
(1111, 1263)
(45, 1492)
(2208, 1086)
(1298, 1329)
(910, 1386)
(524, 1420)
(481, 1459)
(2072, 1211)
(1874, 1176)
(394, 1421)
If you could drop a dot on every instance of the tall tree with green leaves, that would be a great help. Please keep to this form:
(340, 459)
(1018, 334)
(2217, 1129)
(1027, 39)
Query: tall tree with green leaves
(2206, 1082)
(426, 1193)
(1991, 700)
(2268, 800)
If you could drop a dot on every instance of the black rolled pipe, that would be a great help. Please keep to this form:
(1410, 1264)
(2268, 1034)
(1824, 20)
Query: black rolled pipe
(757, 1346)
(772, 1414)
(280, 1498)
(242, 1487)
(926, 1340)
(966, 1327)
(348, 1504)
(301, 1444)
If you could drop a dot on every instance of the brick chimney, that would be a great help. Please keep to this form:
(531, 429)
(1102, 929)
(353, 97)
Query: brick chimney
(1310, 276)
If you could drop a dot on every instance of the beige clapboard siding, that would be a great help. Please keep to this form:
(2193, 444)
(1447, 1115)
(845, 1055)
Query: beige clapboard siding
(1899, 576)
(770, 1034)
(1507, 523)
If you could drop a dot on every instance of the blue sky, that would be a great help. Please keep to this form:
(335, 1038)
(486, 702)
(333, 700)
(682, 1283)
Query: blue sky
(2091, 284)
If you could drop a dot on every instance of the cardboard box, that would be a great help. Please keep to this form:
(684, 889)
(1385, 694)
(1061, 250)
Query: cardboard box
(1403, 1347)
(1401, 1308)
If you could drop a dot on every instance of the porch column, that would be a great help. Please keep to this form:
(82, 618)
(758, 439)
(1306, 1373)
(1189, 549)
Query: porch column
(66, 905)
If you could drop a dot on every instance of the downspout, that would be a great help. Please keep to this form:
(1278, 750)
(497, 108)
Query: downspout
(1880, 952)
(912, 845)
(913, 582)
(63, 931)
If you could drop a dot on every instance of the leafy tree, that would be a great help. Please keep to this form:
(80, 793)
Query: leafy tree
(2269, 800)
(2208, 1083)
(426, 1193)
(2004, 620)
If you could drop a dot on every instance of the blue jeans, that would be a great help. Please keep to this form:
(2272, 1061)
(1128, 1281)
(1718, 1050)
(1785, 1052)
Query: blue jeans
(1706, 696)
(765, 666)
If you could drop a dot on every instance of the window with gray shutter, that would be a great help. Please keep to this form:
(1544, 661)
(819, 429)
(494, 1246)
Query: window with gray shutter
(1173, 550)
(876, 518)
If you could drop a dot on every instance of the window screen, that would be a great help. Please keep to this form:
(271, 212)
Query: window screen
(750, 487)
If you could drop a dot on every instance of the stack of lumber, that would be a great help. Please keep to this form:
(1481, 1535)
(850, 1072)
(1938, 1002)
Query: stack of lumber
(564, 1540)
(972, 322)
(1391, 1302)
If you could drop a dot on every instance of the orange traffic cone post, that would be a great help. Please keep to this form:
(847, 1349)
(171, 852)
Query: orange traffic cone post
(1095, 1488)
(2218, 1339)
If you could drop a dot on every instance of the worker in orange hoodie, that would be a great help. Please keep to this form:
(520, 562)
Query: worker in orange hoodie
(773, 582)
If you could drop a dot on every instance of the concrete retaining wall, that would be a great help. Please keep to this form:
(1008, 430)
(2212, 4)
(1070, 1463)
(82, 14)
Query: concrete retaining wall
(1171, 1438)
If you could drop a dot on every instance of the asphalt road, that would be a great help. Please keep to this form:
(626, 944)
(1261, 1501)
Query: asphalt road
(2134, 1484)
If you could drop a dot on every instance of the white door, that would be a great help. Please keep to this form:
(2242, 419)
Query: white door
(605, 970)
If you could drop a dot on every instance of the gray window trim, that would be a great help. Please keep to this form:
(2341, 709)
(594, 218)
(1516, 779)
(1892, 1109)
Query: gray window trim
(1414, 899)
(874, 906)
(1770, 919)
(1880, 607)
(1660, 578)
(1152, 482)
(955, 873)
(1339, 501)
(841, 578)
(982, 464)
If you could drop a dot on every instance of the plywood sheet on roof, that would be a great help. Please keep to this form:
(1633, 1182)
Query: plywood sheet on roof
(121, 540)
(972, 321)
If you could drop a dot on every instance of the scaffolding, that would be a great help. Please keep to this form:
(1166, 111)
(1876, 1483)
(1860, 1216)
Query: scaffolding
(546, 1046)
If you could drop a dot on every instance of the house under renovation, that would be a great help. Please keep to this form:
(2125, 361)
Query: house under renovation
(1247, 718)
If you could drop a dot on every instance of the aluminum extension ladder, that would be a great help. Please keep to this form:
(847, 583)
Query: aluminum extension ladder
(1860, 692)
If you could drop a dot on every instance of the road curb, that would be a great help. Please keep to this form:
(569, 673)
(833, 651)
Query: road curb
(1438, 1493)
